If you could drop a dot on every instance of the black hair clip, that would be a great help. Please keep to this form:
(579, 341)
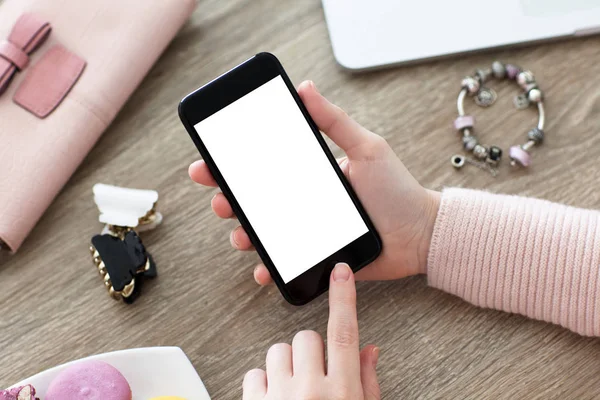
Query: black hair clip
(123, 262)
(118, 252)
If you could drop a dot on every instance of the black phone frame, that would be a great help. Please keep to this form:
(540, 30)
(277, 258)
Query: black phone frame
(226, 89)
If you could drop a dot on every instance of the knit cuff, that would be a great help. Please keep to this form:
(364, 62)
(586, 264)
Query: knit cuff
(519, 255)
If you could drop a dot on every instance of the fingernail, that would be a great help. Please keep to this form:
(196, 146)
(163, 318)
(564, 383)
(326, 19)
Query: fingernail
(312, 84)
(376, 351)
(344, 164)
(341, 272)
(233, 239)
(254, 274)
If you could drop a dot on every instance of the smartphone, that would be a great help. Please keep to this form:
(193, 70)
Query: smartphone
(281, 179)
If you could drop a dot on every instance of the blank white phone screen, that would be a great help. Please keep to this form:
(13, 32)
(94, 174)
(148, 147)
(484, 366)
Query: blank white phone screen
(281, 178)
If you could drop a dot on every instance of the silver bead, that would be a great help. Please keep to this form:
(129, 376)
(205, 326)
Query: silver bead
(457, 161)
(469, 142)
(480, 152)
(525, 78)
(482, 75)
(485, 97)
(536, 135)
(535, 95)
(499, 70)
(471, 84)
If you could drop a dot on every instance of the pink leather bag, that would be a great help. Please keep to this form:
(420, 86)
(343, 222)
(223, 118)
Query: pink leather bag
(119, 40)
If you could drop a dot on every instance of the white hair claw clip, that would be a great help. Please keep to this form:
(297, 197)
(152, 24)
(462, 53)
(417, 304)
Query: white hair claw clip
(125, 207)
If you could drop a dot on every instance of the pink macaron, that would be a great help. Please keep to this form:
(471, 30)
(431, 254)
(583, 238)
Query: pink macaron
(89, 380)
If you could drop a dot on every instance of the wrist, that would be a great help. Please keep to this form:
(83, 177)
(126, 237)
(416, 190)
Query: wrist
(431, 211)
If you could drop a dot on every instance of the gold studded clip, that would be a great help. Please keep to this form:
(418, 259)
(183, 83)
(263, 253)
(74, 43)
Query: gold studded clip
(117, 295)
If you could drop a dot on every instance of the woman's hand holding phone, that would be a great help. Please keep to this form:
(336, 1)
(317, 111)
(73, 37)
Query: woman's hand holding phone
(299, 371)
(402, 210)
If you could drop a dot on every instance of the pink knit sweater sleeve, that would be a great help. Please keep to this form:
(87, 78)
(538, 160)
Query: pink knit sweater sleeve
(520, 255)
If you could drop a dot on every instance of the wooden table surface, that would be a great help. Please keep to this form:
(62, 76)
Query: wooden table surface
(54, 308)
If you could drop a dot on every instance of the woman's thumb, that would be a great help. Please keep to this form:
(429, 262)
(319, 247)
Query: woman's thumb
(332, 120)
(368, 374)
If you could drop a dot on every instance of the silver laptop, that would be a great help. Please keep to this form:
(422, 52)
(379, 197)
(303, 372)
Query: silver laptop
(368, 34)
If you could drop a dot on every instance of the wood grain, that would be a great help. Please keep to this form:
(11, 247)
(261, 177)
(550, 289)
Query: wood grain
(54, 308)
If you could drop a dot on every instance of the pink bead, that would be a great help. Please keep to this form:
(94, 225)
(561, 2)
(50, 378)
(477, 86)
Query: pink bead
(465, 121)
(512, 71)
(520, 156)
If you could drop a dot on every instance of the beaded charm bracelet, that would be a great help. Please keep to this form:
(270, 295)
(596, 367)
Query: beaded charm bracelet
(489, 157)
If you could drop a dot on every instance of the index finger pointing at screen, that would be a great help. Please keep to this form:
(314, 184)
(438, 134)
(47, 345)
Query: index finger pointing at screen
(342, 329)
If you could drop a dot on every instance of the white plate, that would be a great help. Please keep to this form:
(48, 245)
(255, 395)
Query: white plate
(151, 372)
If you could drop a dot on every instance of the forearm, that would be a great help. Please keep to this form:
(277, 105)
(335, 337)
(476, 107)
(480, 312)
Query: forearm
(520, 255)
